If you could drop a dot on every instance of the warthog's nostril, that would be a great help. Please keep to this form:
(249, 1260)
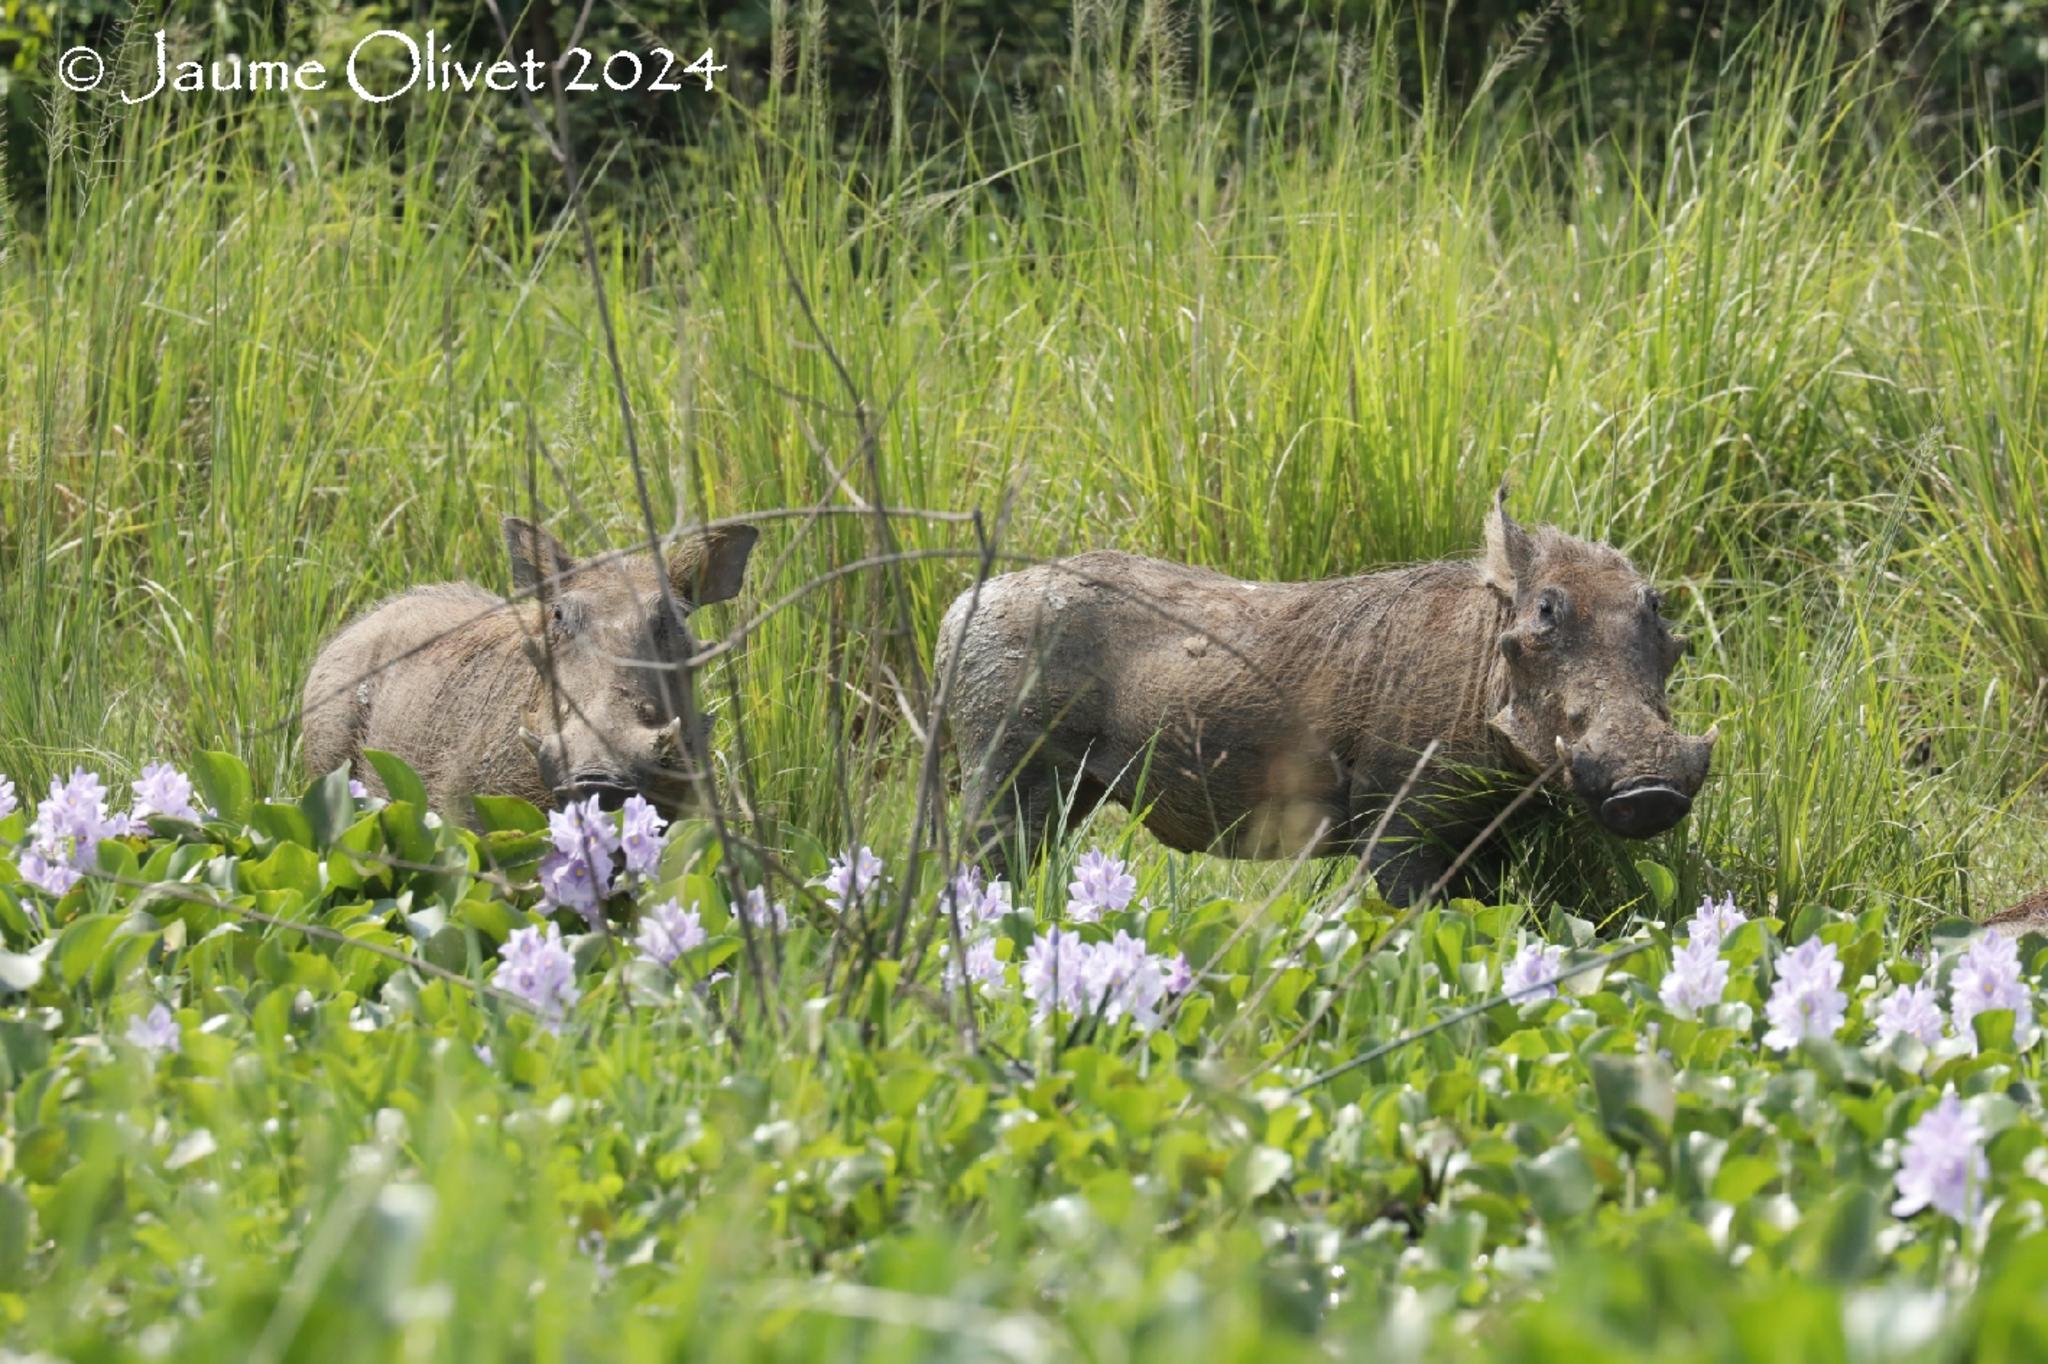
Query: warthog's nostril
(1644, 809)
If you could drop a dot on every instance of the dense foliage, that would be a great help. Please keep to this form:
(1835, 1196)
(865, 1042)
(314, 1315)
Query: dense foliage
(265, 1096)
(1617, 66)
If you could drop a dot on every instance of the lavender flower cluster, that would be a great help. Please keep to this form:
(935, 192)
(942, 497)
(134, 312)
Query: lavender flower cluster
(536, 967)
(1942, 1164)
(74, 819)
(590, 857)
(1807, 1000)
(1112, 980)
(979, 907)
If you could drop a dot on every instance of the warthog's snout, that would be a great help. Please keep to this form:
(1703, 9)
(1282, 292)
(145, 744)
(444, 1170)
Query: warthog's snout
(1644, 809)
(1642, 805)
(611, 793)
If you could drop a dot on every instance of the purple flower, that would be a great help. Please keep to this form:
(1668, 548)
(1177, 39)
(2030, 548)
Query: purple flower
(852, 876)
(567, 882)
(1179, 975)
(1943, 1165)
(977, 905)
(641, 835)
(1124, 980)
(1712, 922)
(164, 790)
(51, 874)
(761, 912)
(8, 803)
(357, 791)
(1697, 976)
(535, 966)
(156, 1031)
(1052, 972)
(1987, 976)
(1101, 884)
(584, 830)
(668, 931)
(1806, 1002)
(982, 969)
(1116, 980)
(1912, 1010)
(65, 837)
(1532, 975)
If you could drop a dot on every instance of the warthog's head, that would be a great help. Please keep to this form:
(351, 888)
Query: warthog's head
(609, 717)
(1587, 655)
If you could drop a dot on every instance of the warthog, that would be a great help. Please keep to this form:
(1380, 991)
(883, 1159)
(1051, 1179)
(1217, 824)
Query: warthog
(455, 680)
(2028, 916)
(1263, 719)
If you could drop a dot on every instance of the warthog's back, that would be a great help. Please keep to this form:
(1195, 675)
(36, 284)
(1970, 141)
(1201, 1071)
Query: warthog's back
(421, 675)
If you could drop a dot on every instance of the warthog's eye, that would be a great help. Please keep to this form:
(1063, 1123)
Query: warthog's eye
(1550, 608)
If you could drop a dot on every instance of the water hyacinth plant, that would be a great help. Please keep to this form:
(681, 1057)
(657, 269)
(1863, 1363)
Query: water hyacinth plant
(1685, 1052)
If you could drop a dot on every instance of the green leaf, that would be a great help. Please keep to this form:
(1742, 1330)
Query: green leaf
(290, 866)
(1741, 1178)
(1839, 1238)
(357, 856)
(1994, 1028)
(407, 834)
(400, 781)
(224, 781)
(14, 1233)
(508, 814)
(1635, 1096)
(1255, 1170)
(282, 823)
(328, 807)
(447, 948)
(1663, 885)
(81, 943)
(493, 917)
(1560, 1183)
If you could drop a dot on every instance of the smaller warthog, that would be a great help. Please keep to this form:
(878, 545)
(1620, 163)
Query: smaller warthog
(1264, 719)
(571, 689)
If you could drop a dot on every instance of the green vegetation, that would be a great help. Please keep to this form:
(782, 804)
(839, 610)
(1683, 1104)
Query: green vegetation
(1792, 355)
(330, 1144)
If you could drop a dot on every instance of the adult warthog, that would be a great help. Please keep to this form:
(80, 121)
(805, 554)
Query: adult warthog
(574, 688)
(1263, 719)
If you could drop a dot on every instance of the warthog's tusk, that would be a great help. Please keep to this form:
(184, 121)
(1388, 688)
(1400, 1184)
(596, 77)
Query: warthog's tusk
(1713, 734)
(530, 739)
(1564, 752)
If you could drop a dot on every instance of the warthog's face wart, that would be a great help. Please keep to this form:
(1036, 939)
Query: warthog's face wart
(609, 715)
(1587, 655)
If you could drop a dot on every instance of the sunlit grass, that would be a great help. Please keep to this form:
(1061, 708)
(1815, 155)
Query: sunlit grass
(250, 391)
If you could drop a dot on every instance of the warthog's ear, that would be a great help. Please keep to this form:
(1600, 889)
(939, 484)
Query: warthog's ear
(1508, 547)
(707, 566)
(536, 555)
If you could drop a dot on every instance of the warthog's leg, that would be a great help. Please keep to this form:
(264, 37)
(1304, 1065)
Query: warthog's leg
(1013, 801)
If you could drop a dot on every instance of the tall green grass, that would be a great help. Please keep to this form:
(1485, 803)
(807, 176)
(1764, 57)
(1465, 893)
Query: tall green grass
(254, 383)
